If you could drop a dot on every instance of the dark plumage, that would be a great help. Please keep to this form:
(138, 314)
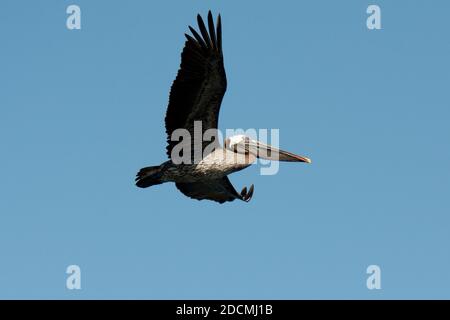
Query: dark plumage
(220, 190)
(196, 95)
(200, 85)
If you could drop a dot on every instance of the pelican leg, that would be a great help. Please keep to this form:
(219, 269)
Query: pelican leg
(246, 196)
(243, 192)
(250, 192)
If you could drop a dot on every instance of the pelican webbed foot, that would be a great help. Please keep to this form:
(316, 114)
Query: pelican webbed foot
(246, 196)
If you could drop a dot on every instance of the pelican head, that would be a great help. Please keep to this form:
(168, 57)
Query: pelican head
(244, 145)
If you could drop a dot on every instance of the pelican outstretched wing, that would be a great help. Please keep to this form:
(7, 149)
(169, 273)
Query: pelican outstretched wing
(200, 85)
(220, 190)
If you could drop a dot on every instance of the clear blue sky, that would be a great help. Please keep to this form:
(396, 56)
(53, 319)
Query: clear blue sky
(82, 111)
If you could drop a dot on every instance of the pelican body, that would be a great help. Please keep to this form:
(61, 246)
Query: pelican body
(196, 95)
(215, 166)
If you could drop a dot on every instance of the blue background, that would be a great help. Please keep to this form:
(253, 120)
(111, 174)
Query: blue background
(81, 111)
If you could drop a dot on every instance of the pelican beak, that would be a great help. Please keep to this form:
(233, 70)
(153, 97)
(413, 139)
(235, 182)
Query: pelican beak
(265, 151)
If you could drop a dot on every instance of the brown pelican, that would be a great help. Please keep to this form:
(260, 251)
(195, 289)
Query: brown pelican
(196, 96)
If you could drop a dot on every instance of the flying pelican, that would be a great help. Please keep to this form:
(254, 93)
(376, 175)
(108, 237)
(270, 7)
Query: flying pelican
(196, 96)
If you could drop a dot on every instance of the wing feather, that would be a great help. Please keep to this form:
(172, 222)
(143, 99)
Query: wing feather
(212, 32)
(198, 90)
(203, 31)
(219, 190)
